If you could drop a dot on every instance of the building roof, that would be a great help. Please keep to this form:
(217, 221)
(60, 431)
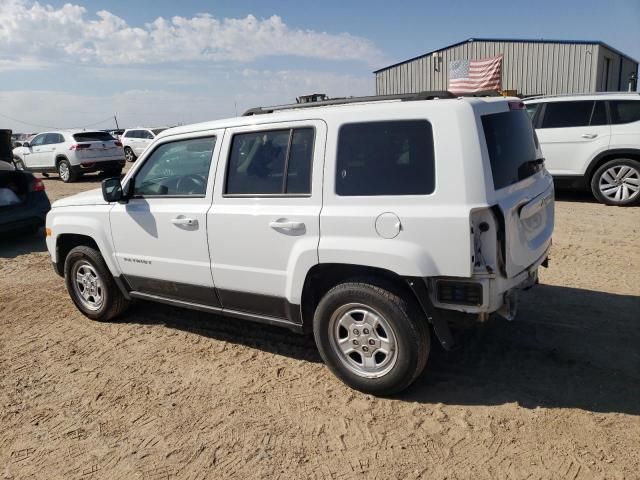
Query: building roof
(513, 40)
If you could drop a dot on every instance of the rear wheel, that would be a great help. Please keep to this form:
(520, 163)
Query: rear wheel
(617, 182)
(129, 156)
(65, 171)
(373, 339)
(91, 285)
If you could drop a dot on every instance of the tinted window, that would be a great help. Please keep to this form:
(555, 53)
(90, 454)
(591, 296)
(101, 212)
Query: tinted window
(599, 115)
(511, 143)
(130, 134)
(567, 114)
(146, 134)
(176, 168)
(53, 138)
(258, 161)
(385, 158)
(156, 131)
(624, 111)
(38, 140)
(532, 108)
(93, 137)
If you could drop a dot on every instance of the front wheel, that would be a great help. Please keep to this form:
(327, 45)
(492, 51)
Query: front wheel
(373, 339)
(617, 182)
(91, 286)
(129, 156)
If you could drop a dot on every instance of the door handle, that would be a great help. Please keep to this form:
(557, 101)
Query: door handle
(589, 135)
(184, 221)
(286, 226)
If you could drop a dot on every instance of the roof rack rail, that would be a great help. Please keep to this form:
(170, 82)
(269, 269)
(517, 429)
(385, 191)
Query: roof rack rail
(580, 94)
(427, 95)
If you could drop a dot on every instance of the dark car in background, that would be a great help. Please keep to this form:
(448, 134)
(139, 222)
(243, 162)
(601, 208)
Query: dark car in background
(23, 201)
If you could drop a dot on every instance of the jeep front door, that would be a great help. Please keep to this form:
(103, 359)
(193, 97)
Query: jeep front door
(264, 221)
(160, 234)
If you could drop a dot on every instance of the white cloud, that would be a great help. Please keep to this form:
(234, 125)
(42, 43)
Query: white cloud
(70, 34)
(44, 109)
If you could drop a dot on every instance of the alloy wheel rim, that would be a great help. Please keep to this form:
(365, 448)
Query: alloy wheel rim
(128, 155)
(88, 285)
(363, 340)
(64, 171)
(620, 183)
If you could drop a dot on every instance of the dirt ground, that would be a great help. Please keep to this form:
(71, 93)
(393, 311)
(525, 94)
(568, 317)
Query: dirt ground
(167, 393)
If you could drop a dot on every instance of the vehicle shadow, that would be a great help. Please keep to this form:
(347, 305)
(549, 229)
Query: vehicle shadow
(16, 244)
(573, 195)
(569, 348)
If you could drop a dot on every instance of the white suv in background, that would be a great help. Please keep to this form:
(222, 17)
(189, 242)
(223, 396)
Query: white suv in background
(592, 141)
(364, 220)
(136, 140)
(71, 153)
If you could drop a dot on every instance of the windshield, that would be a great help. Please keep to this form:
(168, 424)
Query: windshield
(512, 146)
(156, 131)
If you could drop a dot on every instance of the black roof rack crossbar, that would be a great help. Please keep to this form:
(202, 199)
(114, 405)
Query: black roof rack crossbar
(343, 101)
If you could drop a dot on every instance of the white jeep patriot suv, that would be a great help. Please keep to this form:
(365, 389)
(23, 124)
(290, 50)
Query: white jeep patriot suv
(363, 220)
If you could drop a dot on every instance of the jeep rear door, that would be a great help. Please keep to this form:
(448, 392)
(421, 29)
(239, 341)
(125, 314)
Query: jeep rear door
(571, 133)
(264, 221)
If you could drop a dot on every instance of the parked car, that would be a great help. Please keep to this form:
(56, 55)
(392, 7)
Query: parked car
(592, 142)
(71, 153)
(136, 140)
(116, 133)
(23, 201)
(364, 222)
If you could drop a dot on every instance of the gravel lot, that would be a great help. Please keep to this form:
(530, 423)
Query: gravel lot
(168, 393)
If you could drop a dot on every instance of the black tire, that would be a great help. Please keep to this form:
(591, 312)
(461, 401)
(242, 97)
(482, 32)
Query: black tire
(129, 156)
(19, 164)
(400, 311)
(66, 173)
(113, 303)
(619, 186)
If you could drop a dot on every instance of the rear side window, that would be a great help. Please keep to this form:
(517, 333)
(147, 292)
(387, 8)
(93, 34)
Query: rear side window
(130, 134)
(93, 137)
(512, 147)
(273, 162)
(574, 114)
(624, 111)
(52, 138)
(385, 158)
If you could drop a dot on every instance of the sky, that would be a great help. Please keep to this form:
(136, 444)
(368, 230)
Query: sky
(77, 63)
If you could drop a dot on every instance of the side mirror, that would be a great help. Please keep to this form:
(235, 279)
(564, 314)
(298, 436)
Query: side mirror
(112, 190)
(26, 145)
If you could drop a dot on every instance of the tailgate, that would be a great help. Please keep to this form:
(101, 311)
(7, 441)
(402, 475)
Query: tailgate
(97, 146)
(528, 224)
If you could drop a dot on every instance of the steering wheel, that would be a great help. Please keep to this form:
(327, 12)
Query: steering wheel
(189, 184)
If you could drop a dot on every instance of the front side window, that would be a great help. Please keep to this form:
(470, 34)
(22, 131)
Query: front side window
(567, 114)
(624, 111)
(146, 134)
(38, 140)
(385, 158)
(274, 162)
(532, 108)
(52, 138)
(179, 168)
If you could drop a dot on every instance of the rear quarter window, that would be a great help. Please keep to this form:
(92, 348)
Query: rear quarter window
(624, 111)
(512, 146)
(385, 158)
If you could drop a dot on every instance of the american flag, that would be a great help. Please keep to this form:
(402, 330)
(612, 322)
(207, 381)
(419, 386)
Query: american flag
(468, 76)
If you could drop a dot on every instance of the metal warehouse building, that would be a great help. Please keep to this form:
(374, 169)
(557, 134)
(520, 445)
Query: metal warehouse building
(530, 67)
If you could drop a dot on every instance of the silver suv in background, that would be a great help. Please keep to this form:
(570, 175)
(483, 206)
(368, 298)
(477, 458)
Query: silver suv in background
(136, 140)
(592, 142)
(71, 153)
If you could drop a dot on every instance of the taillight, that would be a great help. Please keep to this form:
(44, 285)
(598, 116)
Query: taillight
(117, 143)
(37, 185)
(79, 146)
(516, 106)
